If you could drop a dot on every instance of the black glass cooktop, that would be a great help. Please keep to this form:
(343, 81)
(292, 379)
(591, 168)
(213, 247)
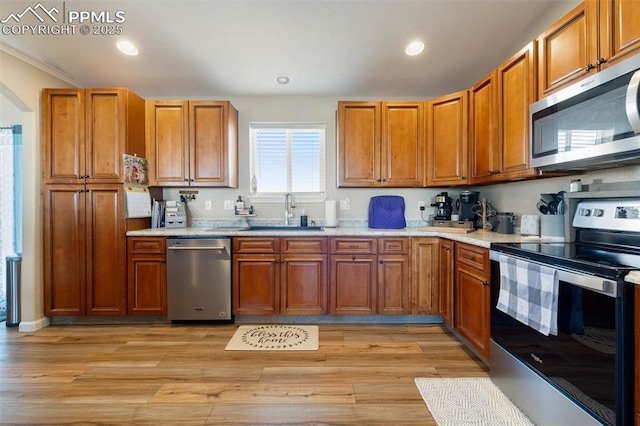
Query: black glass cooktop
(609, 263)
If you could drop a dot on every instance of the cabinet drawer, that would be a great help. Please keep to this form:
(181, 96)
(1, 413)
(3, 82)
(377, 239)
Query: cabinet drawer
(303, 245)
(256, 245)
(354, 245)
(146, 245)
(474, 257)
(393, 245)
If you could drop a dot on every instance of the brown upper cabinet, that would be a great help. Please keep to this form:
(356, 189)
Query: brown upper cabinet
(86, 131)
(380, 144)
(447, 139)
(192, 143)
(591, 37)
(499, 120)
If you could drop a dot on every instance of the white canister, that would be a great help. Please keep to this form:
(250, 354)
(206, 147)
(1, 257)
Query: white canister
(575, 185)
(331, 214)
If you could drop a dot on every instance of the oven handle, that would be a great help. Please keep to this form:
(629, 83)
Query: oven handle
(591, 282)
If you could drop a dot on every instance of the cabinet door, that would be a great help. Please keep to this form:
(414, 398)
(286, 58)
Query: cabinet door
(353, 284)
(424, 292)
(213, 144)
(359, 144)
(447, 135)
(304, 284)
(568, 49)
(472, 308)
(622, 40)
(445, 280)
(106, 251)
(393, 284)
(65, 254)
(516, 91)
(146, 276)
(484, 146)
(63, 135)
(402, 144)
(147, 285)
(168, 143)
(256, 279)
(106, 136)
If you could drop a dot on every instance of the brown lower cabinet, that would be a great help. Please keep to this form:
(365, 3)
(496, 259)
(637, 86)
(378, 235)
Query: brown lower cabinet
(273, 275)
(370, 276)
(472, 295)
(424, 271)
(84, 250)
(146, 276)
(445, 279)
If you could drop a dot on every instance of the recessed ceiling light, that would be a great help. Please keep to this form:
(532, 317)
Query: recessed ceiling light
(127, 48)
(414, 48)
(283, 79)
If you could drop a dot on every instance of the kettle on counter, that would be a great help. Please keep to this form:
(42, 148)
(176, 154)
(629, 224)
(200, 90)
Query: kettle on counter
(505, 222)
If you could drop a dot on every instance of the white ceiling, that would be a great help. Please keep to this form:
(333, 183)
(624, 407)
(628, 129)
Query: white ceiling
(346, 48)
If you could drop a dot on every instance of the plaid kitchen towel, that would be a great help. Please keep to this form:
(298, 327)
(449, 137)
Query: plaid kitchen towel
(529, 293)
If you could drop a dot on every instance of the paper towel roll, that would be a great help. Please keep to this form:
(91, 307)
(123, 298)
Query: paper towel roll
(331, 214)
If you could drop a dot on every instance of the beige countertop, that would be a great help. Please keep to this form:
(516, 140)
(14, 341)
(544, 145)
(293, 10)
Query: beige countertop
(478, 238)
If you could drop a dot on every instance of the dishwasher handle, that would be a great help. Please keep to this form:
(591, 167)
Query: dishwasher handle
(218, 248)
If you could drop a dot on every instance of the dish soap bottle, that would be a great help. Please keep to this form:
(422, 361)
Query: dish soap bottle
(303, 219)
(239, 205)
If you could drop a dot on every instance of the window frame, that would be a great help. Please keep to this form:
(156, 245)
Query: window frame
(277, 197)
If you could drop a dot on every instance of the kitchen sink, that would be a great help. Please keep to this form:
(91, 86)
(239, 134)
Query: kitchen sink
(277, 228)
(285, 228)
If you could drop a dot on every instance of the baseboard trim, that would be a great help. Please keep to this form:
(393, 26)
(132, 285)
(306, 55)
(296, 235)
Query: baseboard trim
(30, 326)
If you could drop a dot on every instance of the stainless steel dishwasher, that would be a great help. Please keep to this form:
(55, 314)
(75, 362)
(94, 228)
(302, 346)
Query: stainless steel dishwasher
(199, 278)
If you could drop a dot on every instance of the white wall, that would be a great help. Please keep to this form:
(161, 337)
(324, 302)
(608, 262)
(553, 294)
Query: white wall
(21, 88)
(521, 197)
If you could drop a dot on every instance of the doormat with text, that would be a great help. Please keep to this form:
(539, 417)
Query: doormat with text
(274, 338)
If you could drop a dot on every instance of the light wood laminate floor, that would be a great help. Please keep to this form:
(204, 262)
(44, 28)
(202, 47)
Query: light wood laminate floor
(181, 375)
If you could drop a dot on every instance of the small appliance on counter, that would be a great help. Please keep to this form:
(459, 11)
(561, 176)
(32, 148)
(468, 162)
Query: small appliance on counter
(175, 215)
(387, 212)
(444, 206)
(467, 200)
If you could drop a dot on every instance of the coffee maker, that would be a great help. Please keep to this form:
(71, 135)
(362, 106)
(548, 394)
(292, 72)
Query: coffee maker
(467, 200)
(443, 204)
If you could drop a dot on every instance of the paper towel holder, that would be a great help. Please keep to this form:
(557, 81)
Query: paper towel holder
(330, 217)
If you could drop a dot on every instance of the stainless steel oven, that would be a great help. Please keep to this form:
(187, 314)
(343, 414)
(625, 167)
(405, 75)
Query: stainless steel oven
(584, 373)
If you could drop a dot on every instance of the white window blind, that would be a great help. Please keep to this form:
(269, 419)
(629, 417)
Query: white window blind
(287, 157)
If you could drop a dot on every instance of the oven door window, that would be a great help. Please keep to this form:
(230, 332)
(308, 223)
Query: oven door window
(580, 360)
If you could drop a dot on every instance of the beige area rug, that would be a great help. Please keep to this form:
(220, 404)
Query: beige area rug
(274, 338)
(469, 401)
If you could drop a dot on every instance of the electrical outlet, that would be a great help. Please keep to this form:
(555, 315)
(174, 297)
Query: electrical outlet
(228, 204)
(345, 204)
(421, 205)
(207, 205)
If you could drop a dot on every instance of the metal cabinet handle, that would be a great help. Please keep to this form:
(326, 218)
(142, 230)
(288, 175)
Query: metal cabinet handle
(601, 61)
(353, 258)
(589, 67)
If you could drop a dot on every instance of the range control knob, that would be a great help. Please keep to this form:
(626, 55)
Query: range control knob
(597, 212)
(585, 212)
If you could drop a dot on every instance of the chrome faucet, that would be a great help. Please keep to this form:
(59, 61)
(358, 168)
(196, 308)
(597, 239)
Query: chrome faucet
(288, 206)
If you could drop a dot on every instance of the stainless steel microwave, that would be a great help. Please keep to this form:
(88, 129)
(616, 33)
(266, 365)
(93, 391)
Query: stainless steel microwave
(593, 124)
